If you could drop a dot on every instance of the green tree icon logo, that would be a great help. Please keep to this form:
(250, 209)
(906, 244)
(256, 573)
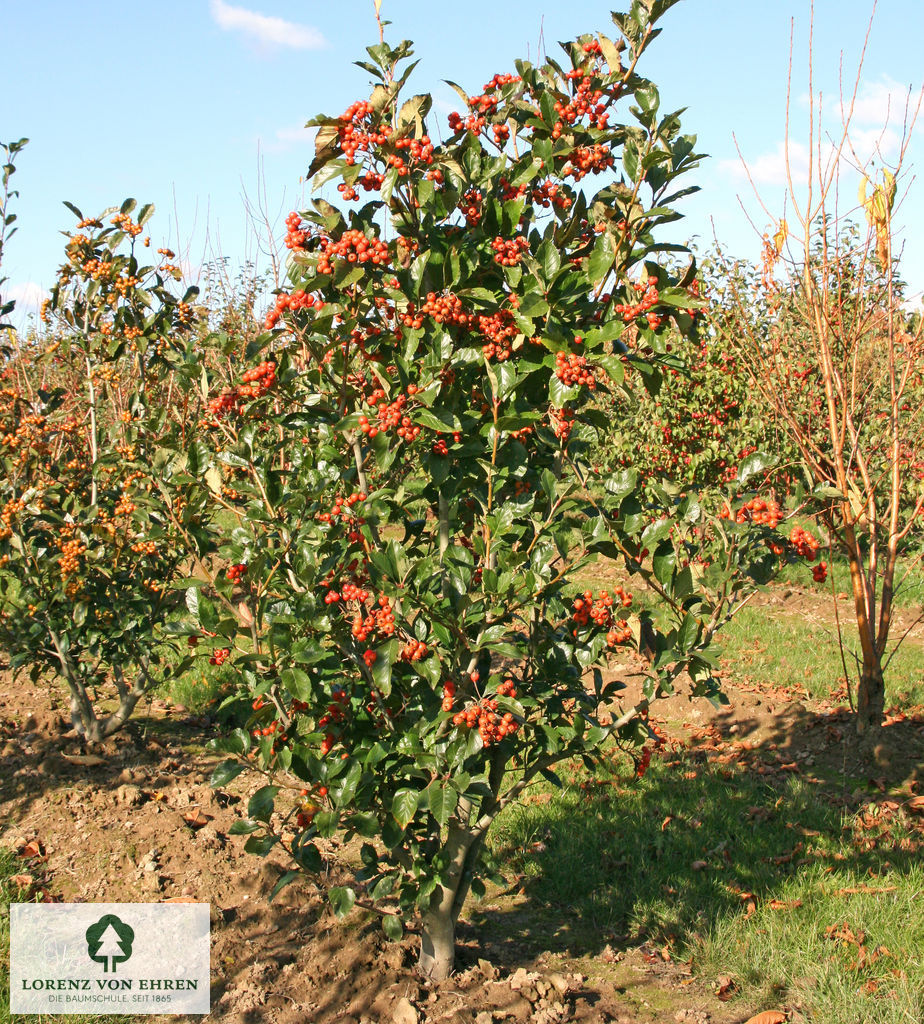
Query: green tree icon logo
(109, 941)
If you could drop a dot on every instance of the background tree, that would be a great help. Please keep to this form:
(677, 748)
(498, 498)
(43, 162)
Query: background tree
(829, 348)
(87, 553)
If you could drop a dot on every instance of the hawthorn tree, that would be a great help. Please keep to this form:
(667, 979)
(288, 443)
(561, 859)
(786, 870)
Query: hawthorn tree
(87, 553)
(388, 509)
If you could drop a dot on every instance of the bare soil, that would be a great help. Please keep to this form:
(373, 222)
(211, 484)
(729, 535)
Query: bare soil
(137, 821)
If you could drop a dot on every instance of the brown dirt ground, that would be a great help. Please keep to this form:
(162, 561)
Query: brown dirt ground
(118, 831)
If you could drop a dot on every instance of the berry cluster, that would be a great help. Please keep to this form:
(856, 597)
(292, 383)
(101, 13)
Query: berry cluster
(296, 236)
(419, 150)
(586, 160)
(599, 610)
(482, 715)
(220, 656)
(509, 251)
(299, 299)
(545, 194)
(440, 445)
(445, 309)
(474, 123)
(562, 421)
(354, 247)
(449, 693)
(371, 181)
(470, 206)
(381, 620)
(586, 102)
(500, 329)
(574, 371)
(804, 544)
(820, 572)
(413, 650)
(69, 562)
(648, 297)
(255, 383)
(619, 634)
(757, 510)
(257, 380)
(336, 710)
(236, 572)
(390, 415)
(337, 510)
(355, 136)
(500, 80)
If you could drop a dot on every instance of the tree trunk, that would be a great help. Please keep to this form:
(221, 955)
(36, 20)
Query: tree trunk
(870, 698)
(438, 943)
(438, 934)
(85, 722)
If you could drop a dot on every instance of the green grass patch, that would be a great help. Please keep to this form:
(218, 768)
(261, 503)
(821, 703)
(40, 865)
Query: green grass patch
(744, 876)
(784, 650)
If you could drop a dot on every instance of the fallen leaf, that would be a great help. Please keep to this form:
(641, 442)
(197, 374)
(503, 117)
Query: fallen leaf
(854, 889)
(196, 818)
(31, 849)
(725, 987)
(698, 865)
(666, 822)
(783, 904)
(22, 881)
(85, 760)
(768, 1017)
(916, 803)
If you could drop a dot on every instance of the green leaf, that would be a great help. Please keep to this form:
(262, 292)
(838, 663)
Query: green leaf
(261, 845)
(549, 259)
(442, 802)
(342, 898)
(688, 633)
(243, 827)
(260, 805)
(393, 927)
(404, 806)
(225, 772)
(283, 881)
(414, 110)
(601, 259)
(533, 305)
(755, 463)
(664, 562)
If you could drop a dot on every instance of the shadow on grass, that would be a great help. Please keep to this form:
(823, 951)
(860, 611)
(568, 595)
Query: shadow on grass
(707, 835)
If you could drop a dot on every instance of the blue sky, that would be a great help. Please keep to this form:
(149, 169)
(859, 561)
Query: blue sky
(199, 105)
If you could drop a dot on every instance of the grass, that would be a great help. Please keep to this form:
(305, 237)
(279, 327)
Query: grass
(791, 652)
(745, 877)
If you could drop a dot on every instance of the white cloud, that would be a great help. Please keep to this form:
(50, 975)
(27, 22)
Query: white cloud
(770, 168)
(28, 296)
(877, 121)
(882, 104)
(265, 29)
